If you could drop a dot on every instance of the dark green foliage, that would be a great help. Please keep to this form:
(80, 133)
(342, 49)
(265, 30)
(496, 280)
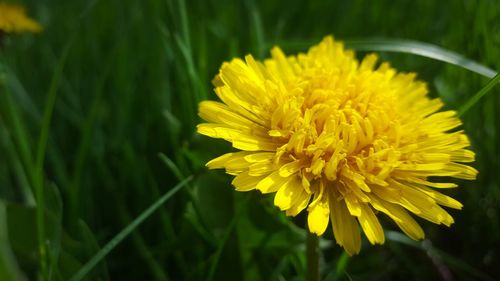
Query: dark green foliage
(122, 133)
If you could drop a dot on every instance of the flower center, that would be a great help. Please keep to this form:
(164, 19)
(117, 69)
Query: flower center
(337, 131)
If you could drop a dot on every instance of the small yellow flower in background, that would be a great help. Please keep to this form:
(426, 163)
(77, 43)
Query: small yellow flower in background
(343, 139)
(13, 19)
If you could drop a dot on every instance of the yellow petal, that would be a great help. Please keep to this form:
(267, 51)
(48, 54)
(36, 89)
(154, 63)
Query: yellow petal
(260, 157)
(288, 194)
(437, 215)
(240, 140)
(290, 168)
(345, 227)
(400, 217)
(261, 168)
(318, 217)
(371, 226)
(436, 196)
(428, 183)
(242, 96)
(441, 199)
(271, 183)
(462, 155)
(299, 204)
(353, 205)
(408, 225)
(286, 71)
(220, 162)
(244, 182)
(368, 62)
(217, 112)
(460, 171)
(413, 200)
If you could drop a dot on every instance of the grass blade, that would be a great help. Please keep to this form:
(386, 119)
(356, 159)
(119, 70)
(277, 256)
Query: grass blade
(408, 47)
(475, 98)
(202, 227)
(40, 158)
(185, 24)
(342, 263)
(87, 131)
(227, 234)
(20, 140)
(420, 49)
(9, 268)
(91, 247)
(257, 30)
(452, 261)
(126, 231)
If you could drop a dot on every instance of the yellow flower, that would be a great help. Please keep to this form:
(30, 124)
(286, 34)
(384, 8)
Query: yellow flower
(343, 139)
(14, 19)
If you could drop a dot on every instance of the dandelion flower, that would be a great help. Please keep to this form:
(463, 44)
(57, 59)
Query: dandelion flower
(343, 139)
(13, 19)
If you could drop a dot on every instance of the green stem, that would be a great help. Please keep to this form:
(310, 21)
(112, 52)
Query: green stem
(86, 268)
(40, 159)
(475, 98)
(312, 252)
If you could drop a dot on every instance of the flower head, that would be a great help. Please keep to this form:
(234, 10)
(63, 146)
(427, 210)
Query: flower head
(342, 139)
(14, 19)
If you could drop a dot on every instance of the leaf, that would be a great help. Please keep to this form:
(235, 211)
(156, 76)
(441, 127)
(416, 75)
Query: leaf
(475, 98)
(19, 136)
(38, 178)
(89, 266)
(91, 247)
(53, 202)
(452, 261)
(408, 47)
(9, 269)
(22, 226)
(420, 49)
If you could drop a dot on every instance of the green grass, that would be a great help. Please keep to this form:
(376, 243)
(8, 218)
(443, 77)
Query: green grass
(97, 125)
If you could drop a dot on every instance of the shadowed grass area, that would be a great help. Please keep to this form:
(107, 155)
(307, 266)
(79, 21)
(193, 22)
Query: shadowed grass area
(97, 122)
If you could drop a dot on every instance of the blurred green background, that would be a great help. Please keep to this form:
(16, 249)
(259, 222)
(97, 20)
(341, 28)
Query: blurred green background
(121, 81)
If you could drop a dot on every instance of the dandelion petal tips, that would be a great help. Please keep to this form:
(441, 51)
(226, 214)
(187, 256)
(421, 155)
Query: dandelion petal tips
(13, 19)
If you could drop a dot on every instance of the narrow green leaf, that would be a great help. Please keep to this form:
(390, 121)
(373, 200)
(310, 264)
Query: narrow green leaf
(420, 49)
(54, 205)
(408, 47)
(200, 224)
(9, 268)
(127, 230)
(185, 24)
(17, 130)
(452, 261)
(257, 28)
(342, 264)
(10, 150)
(225, 238)
(475, 98)
(92, 246)
(87, 131)
(183, 40)
(171, 165)
(48, 112)
(40, 158)
(144, 251)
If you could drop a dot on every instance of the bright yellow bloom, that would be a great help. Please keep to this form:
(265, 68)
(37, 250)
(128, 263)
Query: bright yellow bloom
(343, 139)
(14, 19)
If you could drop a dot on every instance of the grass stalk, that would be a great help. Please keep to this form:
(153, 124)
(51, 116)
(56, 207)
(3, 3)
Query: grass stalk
(475, 98)
(87, 267)
(312, 253)
(40, 159)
